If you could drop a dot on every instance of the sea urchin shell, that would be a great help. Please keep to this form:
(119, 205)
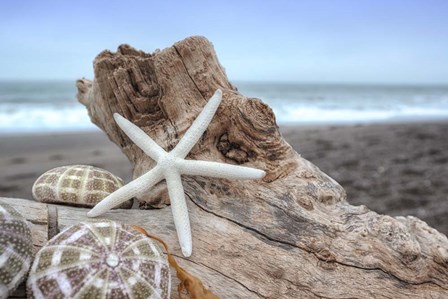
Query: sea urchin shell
(102, 259)
(77, 185)
(16, 249)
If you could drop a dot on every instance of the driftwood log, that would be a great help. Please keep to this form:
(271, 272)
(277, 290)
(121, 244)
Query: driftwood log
(290, 235)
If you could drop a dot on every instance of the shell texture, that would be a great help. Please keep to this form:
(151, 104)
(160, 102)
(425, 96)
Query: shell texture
(103, 259)
(77, 185)
(16, 249)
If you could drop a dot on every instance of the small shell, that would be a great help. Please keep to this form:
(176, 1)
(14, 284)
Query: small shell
(101, 259)
(77, 185)
(16, 249)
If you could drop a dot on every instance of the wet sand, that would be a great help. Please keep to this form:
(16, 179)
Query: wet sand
(395, 169)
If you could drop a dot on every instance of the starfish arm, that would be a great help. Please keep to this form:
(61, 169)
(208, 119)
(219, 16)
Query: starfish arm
(200, 124)
(180, 211)
(134, 188)
(219, 170)
(139, 137)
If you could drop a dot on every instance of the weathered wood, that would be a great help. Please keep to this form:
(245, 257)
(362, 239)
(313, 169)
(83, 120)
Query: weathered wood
(241, 259)
(290, 235)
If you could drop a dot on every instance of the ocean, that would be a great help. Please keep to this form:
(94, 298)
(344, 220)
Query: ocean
(51, 106)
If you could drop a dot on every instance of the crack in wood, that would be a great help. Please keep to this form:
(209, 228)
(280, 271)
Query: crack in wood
(53, 228)
(220, 273)
(188, 73)
(251, 229)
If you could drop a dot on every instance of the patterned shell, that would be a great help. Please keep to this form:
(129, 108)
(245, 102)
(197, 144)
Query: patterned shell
(101, 259)
(77, 185)
(16, 249)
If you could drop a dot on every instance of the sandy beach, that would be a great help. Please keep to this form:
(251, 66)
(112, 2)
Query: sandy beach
(395, 169)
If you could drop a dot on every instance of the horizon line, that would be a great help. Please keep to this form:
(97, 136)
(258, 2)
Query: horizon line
(255, 81)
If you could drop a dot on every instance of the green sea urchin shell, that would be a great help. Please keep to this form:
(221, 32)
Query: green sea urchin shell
(77, 185)
(101, 259)
(16, 249)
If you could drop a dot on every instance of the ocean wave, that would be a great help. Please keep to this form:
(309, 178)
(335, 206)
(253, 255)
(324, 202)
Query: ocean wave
(44, 118)
(313, 115)
(52, 107)
(28, 118)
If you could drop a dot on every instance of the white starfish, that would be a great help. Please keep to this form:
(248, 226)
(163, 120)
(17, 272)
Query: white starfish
(170, 166)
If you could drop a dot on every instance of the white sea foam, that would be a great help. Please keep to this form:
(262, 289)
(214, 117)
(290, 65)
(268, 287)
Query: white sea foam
(57, 119)
(51, 107)
(43, 118)
(339, 104)
(313, 115)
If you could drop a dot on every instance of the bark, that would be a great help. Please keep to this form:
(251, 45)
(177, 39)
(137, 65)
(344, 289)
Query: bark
(290, 235)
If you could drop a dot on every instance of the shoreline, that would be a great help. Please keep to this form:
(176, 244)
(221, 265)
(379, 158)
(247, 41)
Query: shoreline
(394, 169)
(415, 119)
(392, 121)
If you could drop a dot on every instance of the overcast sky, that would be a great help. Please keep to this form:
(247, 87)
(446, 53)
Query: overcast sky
(377, 41)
